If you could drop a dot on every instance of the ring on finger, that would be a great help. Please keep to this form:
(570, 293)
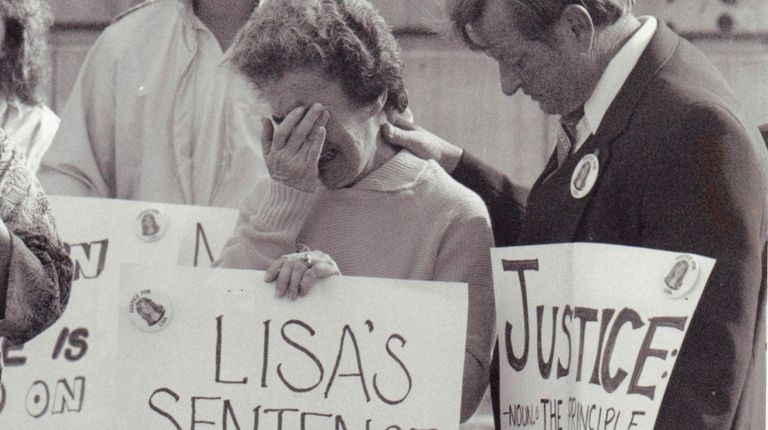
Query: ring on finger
(307, 259)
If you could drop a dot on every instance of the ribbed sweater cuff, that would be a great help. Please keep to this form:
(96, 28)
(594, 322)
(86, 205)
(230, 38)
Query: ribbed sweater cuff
(281, 208)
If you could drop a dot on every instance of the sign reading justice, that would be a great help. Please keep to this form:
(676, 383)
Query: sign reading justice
(214, 348)
(62, 379)
(589, 333)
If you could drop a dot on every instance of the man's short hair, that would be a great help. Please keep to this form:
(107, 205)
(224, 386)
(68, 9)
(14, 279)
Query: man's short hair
(24, 62)
(347, 40)
(533, 16)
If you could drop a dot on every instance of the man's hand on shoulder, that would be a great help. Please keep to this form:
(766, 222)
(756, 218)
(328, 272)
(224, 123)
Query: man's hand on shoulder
(401, 131)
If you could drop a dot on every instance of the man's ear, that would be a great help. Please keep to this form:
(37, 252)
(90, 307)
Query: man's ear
(576, 28)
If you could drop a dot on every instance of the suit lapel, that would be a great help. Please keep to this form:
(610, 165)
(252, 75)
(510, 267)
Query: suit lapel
(553, 214)
(549, 169)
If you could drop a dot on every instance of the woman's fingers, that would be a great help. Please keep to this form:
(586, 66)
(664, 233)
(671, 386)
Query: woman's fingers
(295, 274)
(287, 272)
(273, 270)
(284, 278)
(301, 134)
(294, 286)
(307, 282)
(267, 130)
(285, 128)
(317, 272)
(296, 146)
(314, 150)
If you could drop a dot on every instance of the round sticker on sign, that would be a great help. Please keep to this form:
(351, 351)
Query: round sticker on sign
(150, 310)
(682, 277)
(151, 224)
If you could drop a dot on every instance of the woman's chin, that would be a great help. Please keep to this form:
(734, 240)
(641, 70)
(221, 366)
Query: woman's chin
(334, 180)
(331, 181)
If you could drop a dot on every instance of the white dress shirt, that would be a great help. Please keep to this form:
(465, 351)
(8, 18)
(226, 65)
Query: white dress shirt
(613, 78)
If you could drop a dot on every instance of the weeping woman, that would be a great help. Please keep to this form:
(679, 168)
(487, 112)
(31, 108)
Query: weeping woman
(330, 71)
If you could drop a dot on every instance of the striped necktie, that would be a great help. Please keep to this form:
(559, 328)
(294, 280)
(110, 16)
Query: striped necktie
(566, 136)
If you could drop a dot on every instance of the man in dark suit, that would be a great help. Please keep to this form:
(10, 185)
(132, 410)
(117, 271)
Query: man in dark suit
(673, 166)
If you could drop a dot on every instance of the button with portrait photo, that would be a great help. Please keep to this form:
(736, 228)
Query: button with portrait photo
(150, 310)
(681, 277)
(151, 224)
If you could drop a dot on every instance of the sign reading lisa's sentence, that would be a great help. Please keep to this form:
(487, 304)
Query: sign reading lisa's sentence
(62, 379)
(589, 334)
(214, 349)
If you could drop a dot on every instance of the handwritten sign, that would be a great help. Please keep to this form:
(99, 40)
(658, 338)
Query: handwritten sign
(589, 333)
(358, 353)
(62, 379)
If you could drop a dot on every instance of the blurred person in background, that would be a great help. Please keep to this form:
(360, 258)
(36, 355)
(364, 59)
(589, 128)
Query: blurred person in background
(157, 113)
(30, 125)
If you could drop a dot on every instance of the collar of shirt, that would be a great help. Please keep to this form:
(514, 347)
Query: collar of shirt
(613, 79)
(200, 29)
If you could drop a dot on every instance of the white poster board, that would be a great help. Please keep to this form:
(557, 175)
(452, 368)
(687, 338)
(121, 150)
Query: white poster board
(356, 353)
(589, 333)
(62, 378)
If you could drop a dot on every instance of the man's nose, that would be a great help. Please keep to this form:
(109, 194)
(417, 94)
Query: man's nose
(510, 80)
(510, 83)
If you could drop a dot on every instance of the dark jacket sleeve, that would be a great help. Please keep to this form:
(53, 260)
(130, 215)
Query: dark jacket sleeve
(496, 190)
(706, 194)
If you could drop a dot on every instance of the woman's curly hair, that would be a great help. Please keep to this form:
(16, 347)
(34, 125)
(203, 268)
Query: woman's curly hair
(347, 39)
(24, 55)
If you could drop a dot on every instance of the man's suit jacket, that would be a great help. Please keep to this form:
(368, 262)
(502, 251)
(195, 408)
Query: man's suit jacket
(679, 170)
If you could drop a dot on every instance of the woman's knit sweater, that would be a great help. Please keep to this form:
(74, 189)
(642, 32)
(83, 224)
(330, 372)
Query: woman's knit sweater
(407, 220)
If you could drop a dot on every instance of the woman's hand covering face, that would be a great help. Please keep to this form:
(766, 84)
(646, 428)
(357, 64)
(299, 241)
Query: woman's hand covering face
(292, 149)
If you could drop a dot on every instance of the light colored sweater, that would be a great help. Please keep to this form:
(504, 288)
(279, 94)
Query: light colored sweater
(408, 219)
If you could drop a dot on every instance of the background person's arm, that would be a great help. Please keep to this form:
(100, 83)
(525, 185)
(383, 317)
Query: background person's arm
(36, 273)
(81, 159)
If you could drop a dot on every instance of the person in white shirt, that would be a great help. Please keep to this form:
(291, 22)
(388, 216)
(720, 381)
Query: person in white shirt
(157, 113)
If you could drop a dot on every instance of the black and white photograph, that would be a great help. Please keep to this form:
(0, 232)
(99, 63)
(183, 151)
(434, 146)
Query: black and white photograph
(383, 214)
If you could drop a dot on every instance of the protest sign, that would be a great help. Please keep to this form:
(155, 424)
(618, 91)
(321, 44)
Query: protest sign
(589, 333)
(215, 349)
(62, 379)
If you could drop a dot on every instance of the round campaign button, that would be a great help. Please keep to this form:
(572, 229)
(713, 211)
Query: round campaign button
(682, 276)
(150, 310)
(584, 176)
(151, 224)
